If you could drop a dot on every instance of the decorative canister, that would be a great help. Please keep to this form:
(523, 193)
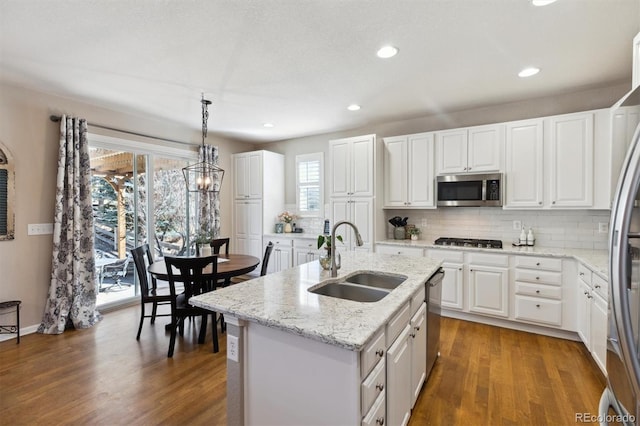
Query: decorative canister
(287, 227)
(398, 233)
(279, 228)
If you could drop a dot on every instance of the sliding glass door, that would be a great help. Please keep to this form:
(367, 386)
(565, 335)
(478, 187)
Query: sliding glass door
(138, 197)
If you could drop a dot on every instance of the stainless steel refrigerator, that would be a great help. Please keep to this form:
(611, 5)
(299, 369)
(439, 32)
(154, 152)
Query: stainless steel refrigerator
(620, 401)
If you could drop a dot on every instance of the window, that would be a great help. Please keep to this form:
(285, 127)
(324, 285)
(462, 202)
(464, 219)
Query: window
(6, 196)
(309, 180)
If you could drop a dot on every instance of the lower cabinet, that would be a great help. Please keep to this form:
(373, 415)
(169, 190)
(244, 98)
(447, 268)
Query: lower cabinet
(592, 314)
(304, 251)
(489, 284)
(452, 284)
(418, 336)
(281, 256)
(399, 379)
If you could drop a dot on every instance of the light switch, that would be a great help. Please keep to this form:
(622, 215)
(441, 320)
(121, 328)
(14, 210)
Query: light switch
(40, 228)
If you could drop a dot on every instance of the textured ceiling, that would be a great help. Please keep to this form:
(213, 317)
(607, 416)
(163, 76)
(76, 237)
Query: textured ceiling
(299, 63)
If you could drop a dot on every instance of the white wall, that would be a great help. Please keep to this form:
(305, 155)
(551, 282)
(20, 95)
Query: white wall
(25, 129)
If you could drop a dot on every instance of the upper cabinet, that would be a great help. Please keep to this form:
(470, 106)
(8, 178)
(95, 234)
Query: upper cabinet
(571, 160)
(524, 164)
(247, 182)
(471, 150)
(408, 171)
(351, 165)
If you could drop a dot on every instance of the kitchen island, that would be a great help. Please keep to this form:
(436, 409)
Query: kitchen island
(295, 357)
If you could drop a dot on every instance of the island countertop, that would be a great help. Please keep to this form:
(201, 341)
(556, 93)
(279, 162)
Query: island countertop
(281, 300)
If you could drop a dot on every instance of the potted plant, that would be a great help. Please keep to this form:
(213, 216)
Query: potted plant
(414, 232)
(202, 242)
(324, 241)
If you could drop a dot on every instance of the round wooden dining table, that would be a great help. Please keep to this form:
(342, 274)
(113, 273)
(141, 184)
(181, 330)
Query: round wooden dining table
(229, 265)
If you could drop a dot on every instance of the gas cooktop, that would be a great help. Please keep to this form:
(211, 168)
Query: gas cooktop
(468, 242)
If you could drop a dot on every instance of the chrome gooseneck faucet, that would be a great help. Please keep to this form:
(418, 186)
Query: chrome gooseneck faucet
(334, 268)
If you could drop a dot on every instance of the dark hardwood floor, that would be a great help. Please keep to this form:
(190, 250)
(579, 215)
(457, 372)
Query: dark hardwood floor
(103, 376)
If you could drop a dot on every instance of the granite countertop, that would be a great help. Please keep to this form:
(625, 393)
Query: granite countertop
(596, 260)
(281, 300)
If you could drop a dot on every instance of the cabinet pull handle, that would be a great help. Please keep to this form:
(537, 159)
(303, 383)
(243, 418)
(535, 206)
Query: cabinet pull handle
(380, 352)
(380, 386)
(417, 328)
(597, 286)
(537, 291)
(413, 335)
(589, 296)
(537, 278)
(586, 292)
(539, 203)
(582, 274)
(380, 421)
(537, 306)
(459, 269)
(537, 263)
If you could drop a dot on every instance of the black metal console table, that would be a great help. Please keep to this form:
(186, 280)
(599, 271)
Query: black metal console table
(11, 328)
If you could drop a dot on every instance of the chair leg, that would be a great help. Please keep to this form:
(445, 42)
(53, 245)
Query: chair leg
(172, 339)
(203, 329)
(154, 310)
(141, 321)
(214, 333)
(223, 325)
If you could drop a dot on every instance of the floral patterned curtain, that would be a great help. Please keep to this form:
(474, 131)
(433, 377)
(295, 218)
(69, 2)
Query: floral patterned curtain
(72, 292)
(210, 201)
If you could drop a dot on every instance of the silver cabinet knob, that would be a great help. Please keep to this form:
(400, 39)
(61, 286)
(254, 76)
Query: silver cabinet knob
(380, 387)
(380, 421)
(380, 352)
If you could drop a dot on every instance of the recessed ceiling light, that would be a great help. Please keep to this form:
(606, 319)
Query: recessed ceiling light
(268, 125)
(353, 107)
(528, 72)
(542, 2)
(387, 52)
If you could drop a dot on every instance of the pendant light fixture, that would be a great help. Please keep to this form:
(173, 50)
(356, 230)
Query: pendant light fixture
(204, 176)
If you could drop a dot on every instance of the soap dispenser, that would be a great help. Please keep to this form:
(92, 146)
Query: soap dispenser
(523, 237)
(530, 238)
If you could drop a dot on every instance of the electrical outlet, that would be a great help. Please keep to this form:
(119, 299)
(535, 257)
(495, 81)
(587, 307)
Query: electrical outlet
(232, 348)
(517, 225)
(603, 227)
(39, 228)
(423, 222)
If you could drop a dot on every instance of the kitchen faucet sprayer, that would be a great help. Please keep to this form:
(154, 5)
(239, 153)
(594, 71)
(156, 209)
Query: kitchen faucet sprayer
(334, 254)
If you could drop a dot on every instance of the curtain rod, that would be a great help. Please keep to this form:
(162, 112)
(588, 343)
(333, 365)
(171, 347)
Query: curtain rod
(56, 118)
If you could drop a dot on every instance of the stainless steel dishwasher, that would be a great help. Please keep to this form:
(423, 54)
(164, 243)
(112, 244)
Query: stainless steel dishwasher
(433, 298)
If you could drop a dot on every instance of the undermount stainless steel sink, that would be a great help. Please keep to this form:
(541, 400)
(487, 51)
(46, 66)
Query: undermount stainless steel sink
(357, 293)
(377, 280)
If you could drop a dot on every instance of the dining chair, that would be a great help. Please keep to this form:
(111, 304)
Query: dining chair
(218, 243)
(265, 259)
(190, 272)
(142, 258)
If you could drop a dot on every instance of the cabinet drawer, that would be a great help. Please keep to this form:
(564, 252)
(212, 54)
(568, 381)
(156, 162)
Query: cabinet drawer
(377, 414)
(307, 243)
(489, 259)
(600, 286)
(373, 386)
(281, 242)
(417, 300)
(538, 310)
(584, 273)
(398, 323)
(401, 250)
(542, 277)
(447, 255)
(544, 263)
(536, 290)
(372, 353)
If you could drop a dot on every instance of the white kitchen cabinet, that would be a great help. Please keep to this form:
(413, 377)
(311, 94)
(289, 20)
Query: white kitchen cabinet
(352, 166)
(488, 284)
(571, 160)
(399, 379)
(453, 281)
(248, 227)
(524, 166)
(584, 312)
(399, 250)
(624, 121)
(418, 343)
(305, 250)
(538, 290)
(474, 149)
(409, 171)
(247, 175)
(259, 198)
(358, 211)
(281, 255)
(598, 328)
(592, 314)
(635, 78)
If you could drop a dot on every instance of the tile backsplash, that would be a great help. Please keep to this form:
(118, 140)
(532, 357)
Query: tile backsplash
(562, 228)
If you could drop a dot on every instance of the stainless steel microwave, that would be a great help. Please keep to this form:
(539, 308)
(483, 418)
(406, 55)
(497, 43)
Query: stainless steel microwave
(470, 190)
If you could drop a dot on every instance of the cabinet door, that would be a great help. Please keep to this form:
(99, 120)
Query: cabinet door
(599, 331)
(340, 168)
(571, 160)
(451, 152)
(584, 312)
(240, 184)
(420, 178)
(395, 171)
(362, 217)
(489, 290)
(254, 171)
(362, 164)
(524, 164)
(399, 380)
(452, 286)
(484, 150)
(418, 352)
